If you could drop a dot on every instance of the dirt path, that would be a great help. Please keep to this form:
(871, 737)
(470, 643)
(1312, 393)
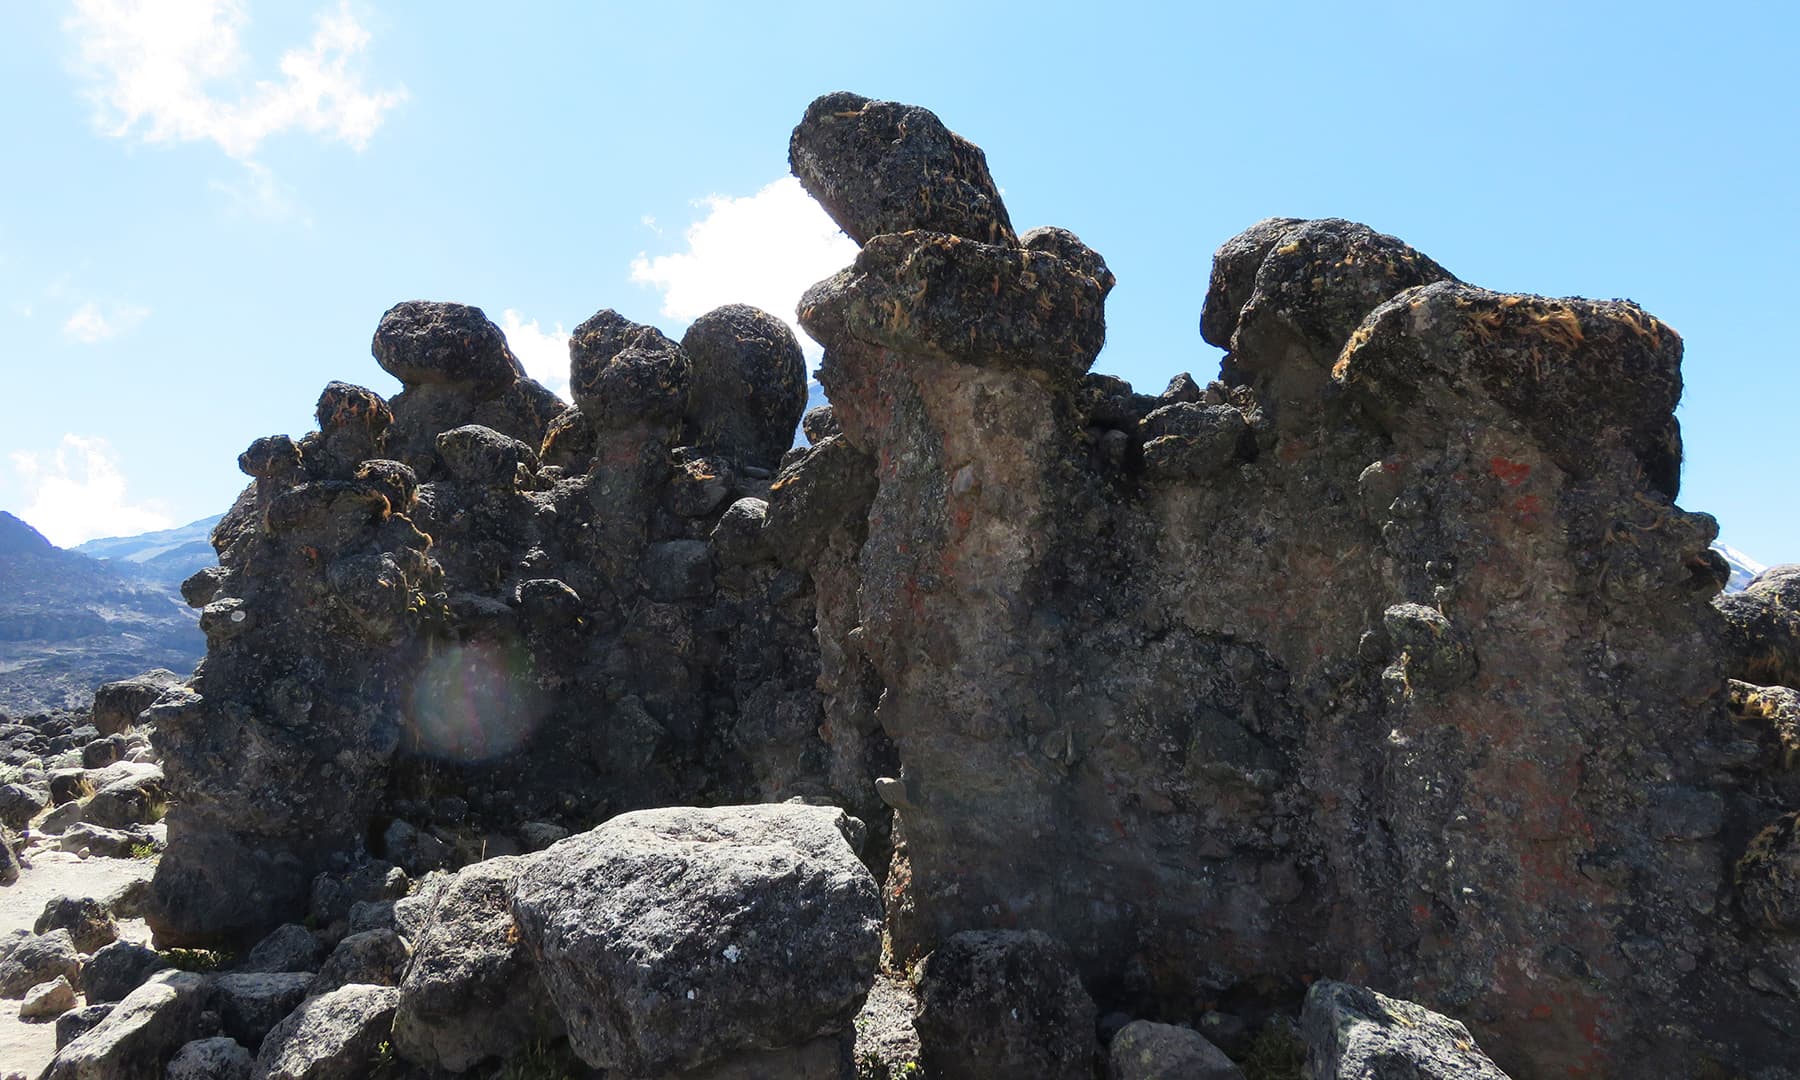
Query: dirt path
(27, 1048)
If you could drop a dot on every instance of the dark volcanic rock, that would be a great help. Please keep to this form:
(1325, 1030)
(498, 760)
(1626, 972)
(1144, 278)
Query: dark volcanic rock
(423, 342)
(883, 167)
(764, 926)
(1354, 1033)
(1004, 1005)
(748, 385)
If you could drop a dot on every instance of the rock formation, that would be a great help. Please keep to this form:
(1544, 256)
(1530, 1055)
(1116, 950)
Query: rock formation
(1387, 656)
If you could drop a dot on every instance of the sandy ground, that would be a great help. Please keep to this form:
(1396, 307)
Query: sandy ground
(27, 1048)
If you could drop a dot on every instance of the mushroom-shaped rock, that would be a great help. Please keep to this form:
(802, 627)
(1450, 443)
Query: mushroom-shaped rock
(1353, 1033)
(422, 341)
(1004, 1005)
(960, 299)
(1234, 277)
(272, 457)
(884, 167)
(764, 923)
(472, 991)
(747, 385)
(1586, 378)
(623, 373)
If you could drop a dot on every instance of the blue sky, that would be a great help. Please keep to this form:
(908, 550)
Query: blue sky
(208, 204)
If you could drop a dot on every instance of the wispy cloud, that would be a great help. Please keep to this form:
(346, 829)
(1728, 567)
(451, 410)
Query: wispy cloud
(89, 324)
(76, 493)
(762, 249)
(177, 71)
(544, 353)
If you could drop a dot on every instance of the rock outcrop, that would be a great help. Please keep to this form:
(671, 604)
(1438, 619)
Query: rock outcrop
(1386, 656)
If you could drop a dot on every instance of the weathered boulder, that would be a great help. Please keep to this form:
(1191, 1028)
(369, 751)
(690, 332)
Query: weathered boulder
(218, 1058)
(333, 1036)
(372, 958)
(39, 959)
(250, 1004)
(1763, 627)
(115, 971)
(139, 1035)
(126, 794)
(1145, 1050)
(1353, 1033)
(422, 342)
(289, 947)
(1001, 1004)
(472, 990)
(747, 385)
(764, 924)
(883, 167)
(78, 1022)
(117, 705)
(47, 1001)
(89, 923)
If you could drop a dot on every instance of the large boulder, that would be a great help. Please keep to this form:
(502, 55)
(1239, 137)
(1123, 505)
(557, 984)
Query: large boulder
(764, 926)
(884, 167)
(1145, 1050)
(748, 385)
(334, 1036)
(371, 957)
(39, 959)
(1004, 1005)
(117, 705)
(89, 923)
(1354, 1033)
(116, 970)
(139, 1035)
(251, 1003)
(472, 991)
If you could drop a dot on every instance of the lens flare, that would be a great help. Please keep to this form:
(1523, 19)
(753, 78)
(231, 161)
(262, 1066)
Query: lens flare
(474, 702)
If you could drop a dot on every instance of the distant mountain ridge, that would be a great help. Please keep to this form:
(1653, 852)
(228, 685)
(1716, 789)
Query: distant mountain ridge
(1743, 568)
(69, 622)
(167, 555)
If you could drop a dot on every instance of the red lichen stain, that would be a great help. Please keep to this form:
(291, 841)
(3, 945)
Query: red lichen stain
(1291, 450)
(1420, 911)
(1510, 473)
(1528, 505)
(1541, 1012)
(1119, 827)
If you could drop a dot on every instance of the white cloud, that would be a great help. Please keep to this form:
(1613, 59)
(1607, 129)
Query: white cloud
(77, 493)
(544, 353)
(763, 249)
(177, 71)
(88, 325)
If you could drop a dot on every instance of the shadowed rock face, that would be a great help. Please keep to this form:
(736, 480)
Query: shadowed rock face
(1389, 656)
(423, 634)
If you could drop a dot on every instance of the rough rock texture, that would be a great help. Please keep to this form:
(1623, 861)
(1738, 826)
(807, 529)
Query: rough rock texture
(139, 1035)
(38, 959)
(1353, 1033)
(1387, 655)
(210, 1059)
(117, 970)
(47, 1001)
(288, 947)
(472, 990)
(1004, 1005)
(763, 925)
(430, 625)
(117, 705)
(74, 1024)
(331, 1037)
(372, 957)
(250, 1004)
(89, 923)
(1144, 1050)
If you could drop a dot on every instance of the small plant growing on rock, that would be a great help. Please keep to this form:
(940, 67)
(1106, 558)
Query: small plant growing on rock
(143, 850)
(201, 960)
